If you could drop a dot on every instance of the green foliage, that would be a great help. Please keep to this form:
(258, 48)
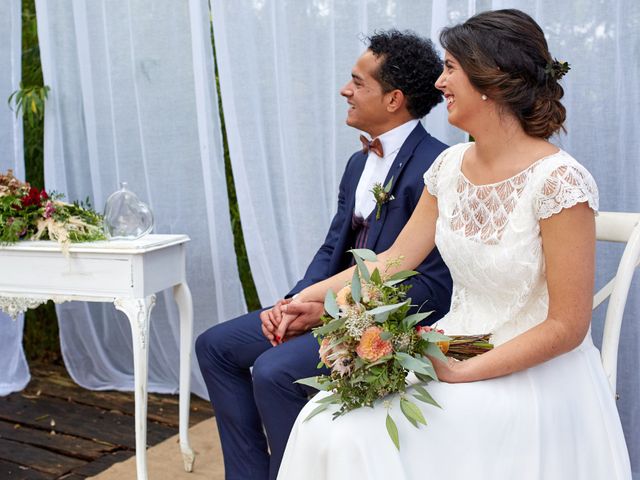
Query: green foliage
(244, 269)
(30, 101)
(41, 326)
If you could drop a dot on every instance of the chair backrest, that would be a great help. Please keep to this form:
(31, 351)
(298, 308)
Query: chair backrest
(623, 228)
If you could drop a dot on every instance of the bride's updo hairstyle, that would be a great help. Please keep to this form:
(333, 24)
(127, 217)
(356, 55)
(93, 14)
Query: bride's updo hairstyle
(506, 57)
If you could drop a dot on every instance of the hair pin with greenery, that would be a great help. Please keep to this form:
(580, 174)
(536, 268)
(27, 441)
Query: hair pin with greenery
(557, 69)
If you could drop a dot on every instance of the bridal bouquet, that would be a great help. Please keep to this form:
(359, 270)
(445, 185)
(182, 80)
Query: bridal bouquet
(370, 344)
(27, 213)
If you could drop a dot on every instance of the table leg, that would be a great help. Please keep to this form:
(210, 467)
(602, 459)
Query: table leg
(138, 311)
(182, 296)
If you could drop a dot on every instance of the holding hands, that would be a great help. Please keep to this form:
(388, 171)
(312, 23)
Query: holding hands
(290, 318)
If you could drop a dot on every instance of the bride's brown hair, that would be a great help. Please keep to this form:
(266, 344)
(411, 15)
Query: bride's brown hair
(505, 55)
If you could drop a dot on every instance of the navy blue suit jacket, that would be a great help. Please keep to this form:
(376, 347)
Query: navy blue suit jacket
(416, 155)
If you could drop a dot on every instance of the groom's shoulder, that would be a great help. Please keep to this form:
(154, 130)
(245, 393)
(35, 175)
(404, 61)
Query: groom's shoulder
(427, 149)
(430, 146)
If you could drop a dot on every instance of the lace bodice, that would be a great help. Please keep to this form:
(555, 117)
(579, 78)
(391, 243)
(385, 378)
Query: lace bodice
(489, 237)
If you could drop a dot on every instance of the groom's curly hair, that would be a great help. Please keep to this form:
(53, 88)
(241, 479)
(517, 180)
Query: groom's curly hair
(410, 64)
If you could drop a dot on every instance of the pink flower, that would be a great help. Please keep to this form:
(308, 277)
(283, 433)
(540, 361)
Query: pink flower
(427, 329)
(49, 208)
(371, 346)
(329, 354)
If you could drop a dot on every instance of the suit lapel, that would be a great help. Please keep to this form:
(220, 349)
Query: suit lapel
(404, 156)
(353, 186)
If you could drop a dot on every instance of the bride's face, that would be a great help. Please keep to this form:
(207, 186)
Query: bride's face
(464, 103)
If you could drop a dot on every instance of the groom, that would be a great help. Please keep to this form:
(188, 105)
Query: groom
(391, 88)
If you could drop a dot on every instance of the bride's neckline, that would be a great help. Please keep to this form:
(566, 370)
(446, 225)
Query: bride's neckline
(531, 166)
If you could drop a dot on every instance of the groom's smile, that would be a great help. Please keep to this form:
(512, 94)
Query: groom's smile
(365, 96)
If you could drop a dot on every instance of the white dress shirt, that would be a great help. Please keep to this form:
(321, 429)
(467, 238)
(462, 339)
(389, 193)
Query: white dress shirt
(376, 168)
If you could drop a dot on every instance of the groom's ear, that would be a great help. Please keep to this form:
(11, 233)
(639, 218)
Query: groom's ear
(395, 101)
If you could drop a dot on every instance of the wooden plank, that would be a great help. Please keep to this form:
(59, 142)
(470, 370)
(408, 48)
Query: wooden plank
(78, 420)
(54, 381)
(100, 465)
(59, 443)
(20, 472)
(37, 458)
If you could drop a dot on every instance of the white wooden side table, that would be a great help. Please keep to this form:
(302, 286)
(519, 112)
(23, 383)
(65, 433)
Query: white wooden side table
(125, 273)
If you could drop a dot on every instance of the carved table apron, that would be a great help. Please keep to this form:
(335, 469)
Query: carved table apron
(126, 273)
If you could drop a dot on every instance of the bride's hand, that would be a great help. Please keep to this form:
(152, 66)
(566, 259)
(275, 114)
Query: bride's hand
(449, 372)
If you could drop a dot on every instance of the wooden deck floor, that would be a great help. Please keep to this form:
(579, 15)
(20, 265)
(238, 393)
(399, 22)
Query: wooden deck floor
(55, 429)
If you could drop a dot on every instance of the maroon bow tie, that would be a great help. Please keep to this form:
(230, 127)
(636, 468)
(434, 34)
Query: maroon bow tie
(374, 145)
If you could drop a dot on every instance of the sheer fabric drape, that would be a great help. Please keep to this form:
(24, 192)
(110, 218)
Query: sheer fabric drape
(14, 371)
(133, 99)
(282, 64)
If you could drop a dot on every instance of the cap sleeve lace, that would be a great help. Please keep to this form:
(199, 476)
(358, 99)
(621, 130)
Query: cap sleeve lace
(565, 186)
(431, 175)
(434, 175)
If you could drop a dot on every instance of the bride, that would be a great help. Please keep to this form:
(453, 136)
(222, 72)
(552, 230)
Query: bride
(513, 217)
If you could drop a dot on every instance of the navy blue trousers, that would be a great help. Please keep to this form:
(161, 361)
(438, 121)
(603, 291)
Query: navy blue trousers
(244, 404)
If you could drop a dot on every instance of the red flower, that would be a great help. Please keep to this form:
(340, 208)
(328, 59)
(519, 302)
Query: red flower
(35, 197)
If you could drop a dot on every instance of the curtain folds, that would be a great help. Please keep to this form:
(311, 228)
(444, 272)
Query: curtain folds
(14, 371)
(286, 120)
(133, 99)
(282, 64)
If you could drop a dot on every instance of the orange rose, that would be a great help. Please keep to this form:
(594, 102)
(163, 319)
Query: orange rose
(371, 346)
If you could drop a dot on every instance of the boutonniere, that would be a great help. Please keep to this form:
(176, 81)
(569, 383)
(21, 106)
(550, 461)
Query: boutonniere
(381, 195)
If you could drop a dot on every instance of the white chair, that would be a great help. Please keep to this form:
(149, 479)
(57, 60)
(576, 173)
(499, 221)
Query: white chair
(623, 228)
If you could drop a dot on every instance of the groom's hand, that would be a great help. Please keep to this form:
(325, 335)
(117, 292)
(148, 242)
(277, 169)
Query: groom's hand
(271, 319)
(299, 317)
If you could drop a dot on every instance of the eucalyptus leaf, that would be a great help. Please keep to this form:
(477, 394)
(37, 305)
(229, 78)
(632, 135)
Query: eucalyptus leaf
(392, 429)
(332, 326)
(412, 320)
(364, 254)
(314, 383)
(330, 305)
(412, 412)
(375, 277)
(386, 336)
(387, 187)
(364, 271)
(418, 365)
(425, 396)
(403, 275)
(356, 287)
(434, 336)
(425, 378)
(333, 398)
(433, 350)
(317, 410)
(386, 308)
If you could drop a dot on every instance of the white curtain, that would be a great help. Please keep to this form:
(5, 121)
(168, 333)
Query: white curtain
(282, 64)
(133, 99)
(14, 371)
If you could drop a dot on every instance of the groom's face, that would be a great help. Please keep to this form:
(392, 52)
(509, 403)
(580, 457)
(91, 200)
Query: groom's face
(365, 96)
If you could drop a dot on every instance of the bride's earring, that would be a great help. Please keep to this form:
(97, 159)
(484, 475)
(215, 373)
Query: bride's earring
(483, 97)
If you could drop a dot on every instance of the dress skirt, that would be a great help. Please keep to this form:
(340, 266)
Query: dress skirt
(557, 420)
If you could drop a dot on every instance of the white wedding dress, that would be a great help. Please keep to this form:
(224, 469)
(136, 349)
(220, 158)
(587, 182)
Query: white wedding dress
(557, 420)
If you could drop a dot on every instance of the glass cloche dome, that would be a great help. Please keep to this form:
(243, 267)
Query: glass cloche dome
(125, 216)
